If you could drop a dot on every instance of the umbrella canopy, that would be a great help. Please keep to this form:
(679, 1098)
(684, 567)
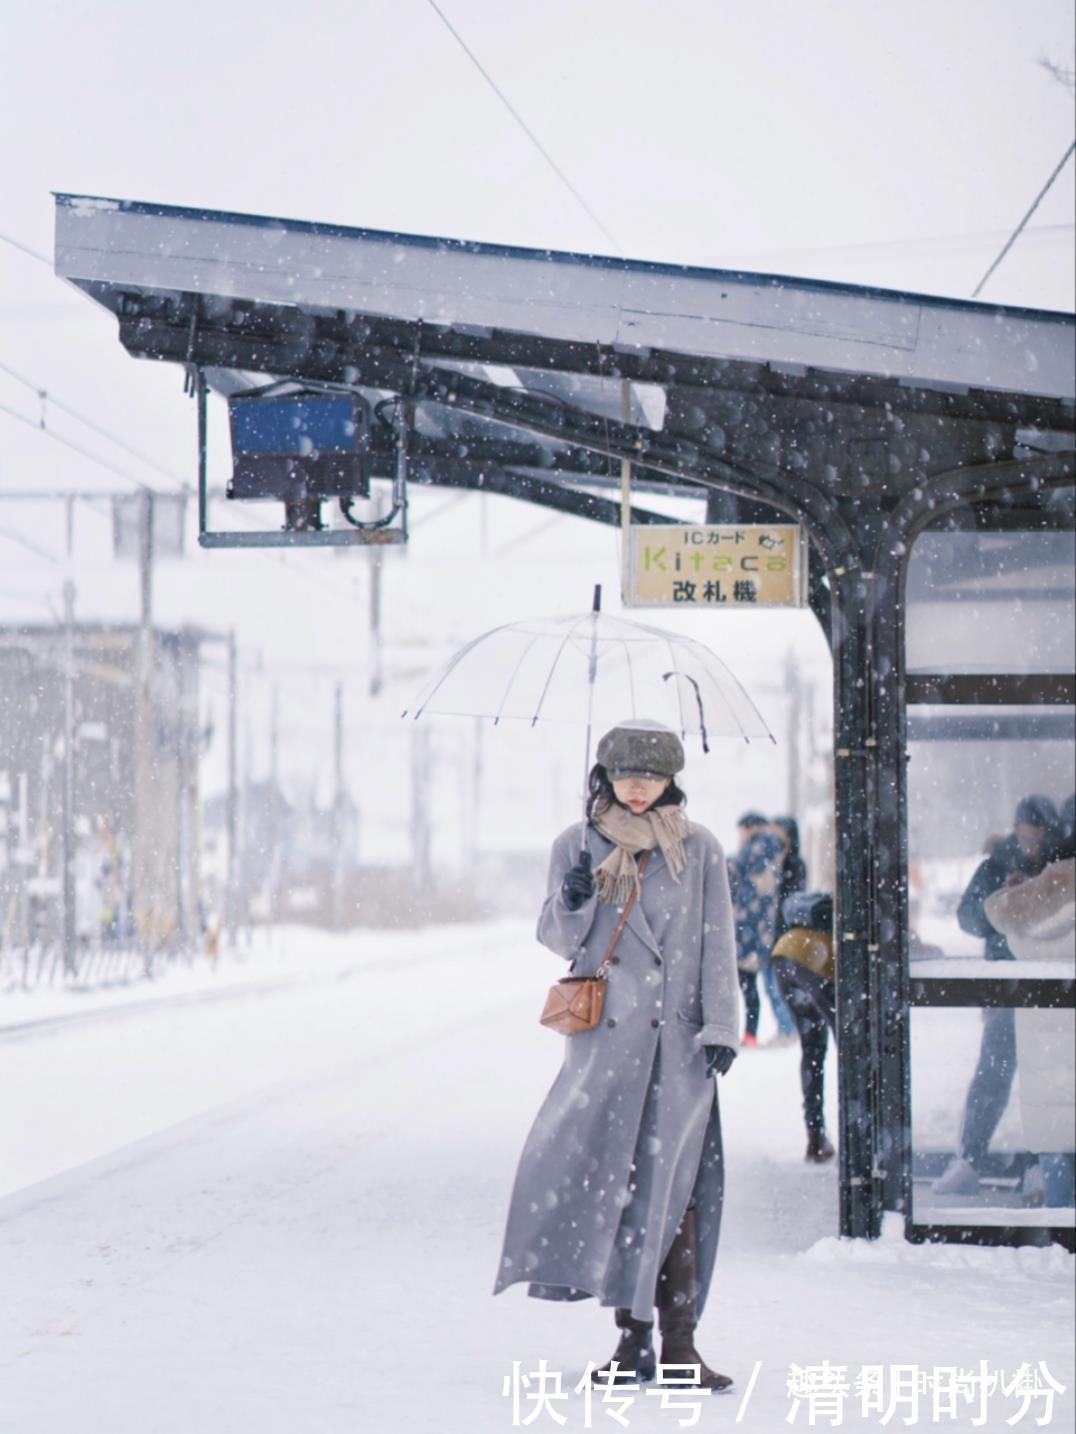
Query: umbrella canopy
(592, 669)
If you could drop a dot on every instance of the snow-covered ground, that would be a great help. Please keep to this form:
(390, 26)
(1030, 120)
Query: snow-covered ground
(270, 1198)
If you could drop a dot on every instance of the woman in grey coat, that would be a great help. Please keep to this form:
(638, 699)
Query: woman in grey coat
(619, 1189)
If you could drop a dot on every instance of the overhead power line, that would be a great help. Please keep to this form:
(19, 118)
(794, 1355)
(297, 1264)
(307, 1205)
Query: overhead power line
(539, 146)
(319, 580)
(925, 241)
(27, 598)
(83, 452)
(48, 397)
(6, 534)
(326, 584)
(1020, 227)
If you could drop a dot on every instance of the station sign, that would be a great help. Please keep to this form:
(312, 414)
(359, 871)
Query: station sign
(717, 566)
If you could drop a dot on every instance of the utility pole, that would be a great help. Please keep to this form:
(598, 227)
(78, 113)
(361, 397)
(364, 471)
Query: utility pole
(476, 793)
(67, 883)
(274, 733)
(187, 867)
(420, 805)
(274, 797)
(338, 808)
(376, 677)
(243, 836)
(231, 895)
(143, 868)
(625, 499)
(794, 698)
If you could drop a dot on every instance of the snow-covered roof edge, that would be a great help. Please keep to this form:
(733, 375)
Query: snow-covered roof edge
(918, 339)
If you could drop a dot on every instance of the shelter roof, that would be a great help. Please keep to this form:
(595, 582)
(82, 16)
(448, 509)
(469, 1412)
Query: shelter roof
(537, 374)
(117, 248)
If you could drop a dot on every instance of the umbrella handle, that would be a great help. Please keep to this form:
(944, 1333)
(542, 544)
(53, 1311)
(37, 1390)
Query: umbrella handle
(698, 698)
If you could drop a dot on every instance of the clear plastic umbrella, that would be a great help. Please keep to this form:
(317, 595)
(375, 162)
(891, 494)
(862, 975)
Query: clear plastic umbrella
(590, 670)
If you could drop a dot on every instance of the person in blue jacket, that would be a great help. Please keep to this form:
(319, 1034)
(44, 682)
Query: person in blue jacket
(755, 879)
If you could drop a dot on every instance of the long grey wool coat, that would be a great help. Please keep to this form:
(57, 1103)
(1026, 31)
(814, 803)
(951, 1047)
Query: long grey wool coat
(630, 1131)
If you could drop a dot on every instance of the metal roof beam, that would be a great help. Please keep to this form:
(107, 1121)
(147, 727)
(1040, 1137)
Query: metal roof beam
(455, 473)
(257, 336)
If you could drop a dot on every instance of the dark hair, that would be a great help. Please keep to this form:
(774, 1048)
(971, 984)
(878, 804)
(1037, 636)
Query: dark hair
(601, 794)
(791, 828)
(1037, 811)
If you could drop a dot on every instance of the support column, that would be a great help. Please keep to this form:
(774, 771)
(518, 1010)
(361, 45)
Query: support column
(855, 940)
(893, 1136)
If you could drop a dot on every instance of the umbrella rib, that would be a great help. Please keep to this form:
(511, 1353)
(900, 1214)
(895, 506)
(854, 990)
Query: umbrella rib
(553, 665)
(515, 674)
(631, 678)
(721, 679)
(468, 647)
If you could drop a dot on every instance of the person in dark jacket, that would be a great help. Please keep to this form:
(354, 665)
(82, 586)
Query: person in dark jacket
(754, 879)
(805, 971)
(792, 878)
(1033, 844)
(793, 869)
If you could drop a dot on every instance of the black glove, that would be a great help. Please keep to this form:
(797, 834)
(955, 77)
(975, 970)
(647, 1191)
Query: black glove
(718, 1059)
(578, 883)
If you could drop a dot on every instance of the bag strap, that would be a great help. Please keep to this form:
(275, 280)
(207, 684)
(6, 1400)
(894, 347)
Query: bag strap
(600, 972)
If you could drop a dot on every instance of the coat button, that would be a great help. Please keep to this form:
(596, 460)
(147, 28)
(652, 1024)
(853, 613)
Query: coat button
(655, 1022)
(611, 1021)
(657, 960)
(614, 960)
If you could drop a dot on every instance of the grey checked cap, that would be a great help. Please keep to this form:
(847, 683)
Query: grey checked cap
(641, 748)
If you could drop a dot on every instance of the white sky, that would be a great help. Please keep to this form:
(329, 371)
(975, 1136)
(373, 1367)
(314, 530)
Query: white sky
(844, 139)
(705, 132)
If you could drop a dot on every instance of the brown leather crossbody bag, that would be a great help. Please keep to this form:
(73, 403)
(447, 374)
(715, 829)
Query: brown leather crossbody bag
(575, 1003)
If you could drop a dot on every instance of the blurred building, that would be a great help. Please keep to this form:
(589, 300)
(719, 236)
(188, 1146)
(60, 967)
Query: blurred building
(134, 820)
(296, 861)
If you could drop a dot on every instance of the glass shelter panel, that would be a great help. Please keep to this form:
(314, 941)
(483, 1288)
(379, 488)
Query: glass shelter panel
(967, 1066)
(991, 940)
(988, 601)
(969, 768)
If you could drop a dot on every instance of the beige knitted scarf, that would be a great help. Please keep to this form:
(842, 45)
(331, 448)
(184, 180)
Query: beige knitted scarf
(618, 874)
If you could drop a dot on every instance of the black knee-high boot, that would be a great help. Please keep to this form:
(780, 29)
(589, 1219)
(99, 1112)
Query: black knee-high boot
(677, 1306)
(635, 1351)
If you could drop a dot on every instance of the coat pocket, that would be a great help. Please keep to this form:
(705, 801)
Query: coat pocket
(694, 1021)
